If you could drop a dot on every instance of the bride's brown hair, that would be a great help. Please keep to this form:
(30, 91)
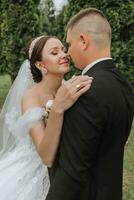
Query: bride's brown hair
(35, 54)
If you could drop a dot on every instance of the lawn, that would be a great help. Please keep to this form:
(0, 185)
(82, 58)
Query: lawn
(5, 83)
(129, 168)
(128, 184)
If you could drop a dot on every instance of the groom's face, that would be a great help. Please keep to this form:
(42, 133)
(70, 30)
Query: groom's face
(74, 48)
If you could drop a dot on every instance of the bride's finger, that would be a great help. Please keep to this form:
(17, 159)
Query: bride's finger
(82, 91)
(75, 79)
(81, 81)
(80, 85)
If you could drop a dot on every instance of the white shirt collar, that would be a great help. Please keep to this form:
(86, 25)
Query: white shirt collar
(93, 63)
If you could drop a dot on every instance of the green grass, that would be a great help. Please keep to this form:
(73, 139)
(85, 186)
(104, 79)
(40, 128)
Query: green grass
(128, 183)
(5, 84)
(128, 186)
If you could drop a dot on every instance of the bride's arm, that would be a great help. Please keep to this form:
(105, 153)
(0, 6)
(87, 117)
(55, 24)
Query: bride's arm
(46, 139)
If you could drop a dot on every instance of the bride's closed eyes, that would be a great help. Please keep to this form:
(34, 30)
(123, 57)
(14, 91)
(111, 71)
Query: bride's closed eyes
(54, 53)
(56, 50)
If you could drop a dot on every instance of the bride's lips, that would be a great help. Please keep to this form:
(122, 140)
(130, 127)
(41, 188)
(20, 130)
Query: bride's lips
(65, 62)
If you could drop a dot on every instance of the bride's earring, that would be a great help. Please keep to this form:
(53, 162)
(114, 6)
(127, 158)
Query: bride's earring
(44, 71)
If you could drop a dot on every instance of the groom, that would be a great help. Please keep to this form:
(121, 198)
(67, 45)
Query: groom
(89, 162)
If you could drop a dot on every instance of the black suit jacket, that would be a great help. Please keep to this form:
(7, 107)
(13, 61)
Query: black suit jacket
(89, 162)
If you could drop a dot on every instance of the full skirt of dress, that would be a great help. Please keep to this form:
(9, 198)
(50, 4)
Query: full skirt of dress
(23, 176)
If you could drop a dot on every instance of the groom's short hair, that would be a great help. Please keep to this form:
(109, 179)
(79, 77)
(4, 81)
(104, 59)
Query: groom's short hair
(91, 21)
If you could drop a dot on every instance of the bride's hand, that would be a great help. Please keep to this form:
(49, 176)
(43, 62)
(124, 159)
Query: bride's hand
(70, 91)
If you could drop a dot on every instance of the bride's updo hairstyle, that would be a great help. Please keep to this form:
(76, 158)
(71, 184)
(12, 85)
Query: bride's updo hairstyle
(34, 53)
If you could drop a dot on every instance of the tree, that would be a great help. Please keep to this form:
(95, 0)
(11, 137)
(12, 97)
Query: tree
(47, 10)
(59, 24)
(20, 21)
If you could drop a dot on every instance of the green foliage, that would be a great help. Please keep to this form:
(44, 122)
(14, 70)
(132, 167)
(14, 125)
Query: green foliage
(59, 24)
(20, 21)
(47, 11)
(121, 17)
(5, 83)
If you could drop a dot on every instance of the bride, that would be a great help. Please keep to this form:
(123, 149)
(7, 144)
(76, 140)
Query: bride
(32, 117)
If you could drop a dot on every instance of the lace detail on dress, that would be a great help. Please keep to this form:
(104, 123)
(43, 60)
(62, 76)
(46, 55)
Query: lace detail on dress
(22, 174)
(38, 180)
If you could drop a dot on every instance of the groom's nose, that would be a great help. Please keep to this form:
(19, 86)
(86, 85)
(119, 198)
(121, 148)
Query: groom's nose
(67, 49)
(68, 52)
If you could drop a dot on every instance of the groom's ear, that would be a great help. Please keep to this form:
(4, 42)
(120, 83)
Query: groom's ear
(84, 41)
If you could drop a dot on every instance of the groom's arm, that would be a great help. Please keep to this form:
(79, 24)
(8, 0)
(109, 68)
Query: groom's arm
(82, 130)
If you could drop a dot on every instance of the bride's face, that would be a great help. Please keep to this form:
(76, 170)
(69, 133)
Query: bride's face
(54, 58)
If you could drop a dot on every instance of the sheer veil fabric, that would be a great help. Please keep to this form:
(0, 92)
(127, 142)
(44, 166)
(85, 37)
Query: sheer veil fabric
(12, 107)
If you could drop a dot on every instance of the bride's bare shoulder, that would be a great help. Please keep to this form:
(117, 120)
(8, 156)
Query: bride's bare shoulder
(30, 99)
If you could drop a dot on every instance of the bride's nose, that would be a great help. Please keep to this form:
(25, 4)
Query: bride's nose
(64, 54)
(65, 57)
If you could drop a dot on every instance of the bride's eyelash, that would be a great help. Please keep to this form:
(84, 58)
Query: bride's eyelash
(54, 53)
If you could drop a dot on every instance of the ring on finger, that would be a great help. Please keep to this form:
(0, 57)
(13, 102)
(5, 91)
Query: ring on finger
(78, 86)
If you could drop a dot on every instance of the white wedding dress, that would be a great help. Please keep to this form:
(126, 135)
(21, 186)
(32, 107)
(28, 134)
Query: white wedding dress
(23, 176)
